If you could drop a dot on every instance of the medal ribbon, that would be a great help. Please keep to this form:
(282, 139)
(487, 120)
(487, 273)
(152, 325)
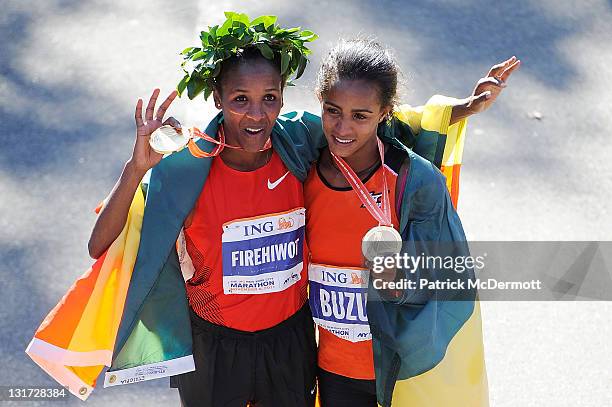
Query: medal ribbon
(220, 144)
(382, 215)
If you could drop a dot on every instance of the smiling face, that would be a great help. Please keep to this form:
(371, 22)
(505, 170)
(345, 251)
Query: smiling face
(251, 97)
(351, 112)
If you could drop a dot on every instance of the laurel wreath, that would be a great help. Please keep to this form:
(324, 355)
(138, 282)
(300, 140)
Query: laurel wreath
(202, 64)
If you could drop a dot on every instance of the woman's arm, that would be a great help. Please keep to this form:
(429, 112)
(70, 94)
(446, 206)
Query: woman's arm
(485, 93)
(113, 215)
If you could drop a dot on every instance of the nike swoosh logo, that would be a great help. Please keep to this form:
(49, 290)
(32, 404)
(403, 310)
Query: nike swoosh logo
(272, 185)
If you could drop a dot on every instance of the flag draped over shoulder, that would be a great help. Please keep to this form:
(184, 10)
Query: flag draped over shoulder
(76, 339)
(431, 354)
(437, 141)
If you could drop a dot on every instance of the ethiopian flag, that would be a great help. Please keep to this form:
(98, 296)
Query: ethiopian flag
(430, 354)
(76, 339)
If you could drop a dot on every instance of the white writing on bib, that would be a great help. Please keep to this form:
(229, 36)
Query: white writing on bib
(338, 300)
(264, 254)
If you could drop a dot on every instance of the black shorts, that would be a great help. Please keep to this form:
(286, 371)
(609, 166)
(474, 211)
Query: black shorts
(268, 368)
(341, 391)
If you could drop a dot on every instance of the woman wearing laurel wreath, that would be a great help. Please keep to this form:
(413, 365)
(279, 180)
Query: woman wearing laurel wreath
(243, 217)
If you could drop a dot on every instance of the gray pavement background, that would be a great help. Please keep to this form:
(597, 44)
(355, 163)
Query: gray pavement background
(71, 72)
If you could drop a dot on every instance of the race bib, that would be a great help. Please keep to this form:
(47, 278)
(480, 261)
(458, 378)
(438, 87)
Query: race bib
(338, 300)
(263, 254)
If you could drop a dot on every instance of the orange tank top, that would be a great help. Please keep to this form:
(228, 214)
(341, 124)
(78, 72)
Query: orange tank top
(246, 242)
(336, 223)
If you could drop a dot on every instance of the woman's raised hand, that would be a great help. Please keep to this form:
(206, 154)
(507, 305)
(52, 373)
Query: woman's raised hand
(488, 88)
(144, 157)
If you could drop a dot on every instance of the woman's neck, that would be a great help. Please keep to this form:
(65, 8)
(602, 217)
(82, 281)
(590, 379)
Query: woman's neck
(364, 158)
(362, 162)
(241, 160)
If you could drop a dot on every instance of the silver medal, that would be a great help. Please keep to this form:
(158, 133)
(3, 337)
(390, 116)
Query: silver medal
(381, 241)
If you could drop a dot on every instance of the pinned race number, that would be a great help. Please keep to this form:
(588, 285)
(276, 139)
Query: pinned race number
(264, 254)
(338, 298)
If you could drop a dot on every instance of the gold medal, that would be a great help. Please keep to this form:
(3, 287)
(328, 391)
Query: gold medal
(166, 140)
(381, 241)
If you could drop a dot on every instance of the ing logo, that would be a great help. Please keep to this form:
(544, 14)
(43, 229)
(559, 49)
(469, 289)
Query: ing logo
(356, 279)
(285, 223)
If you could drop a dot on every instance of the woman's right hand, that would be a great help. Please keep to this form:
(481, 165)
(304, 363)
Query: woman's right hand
(144, 157)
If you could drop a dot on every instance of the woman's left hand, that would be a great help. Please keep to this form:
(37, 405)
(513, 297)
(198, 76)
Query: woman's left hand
(488, 88)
